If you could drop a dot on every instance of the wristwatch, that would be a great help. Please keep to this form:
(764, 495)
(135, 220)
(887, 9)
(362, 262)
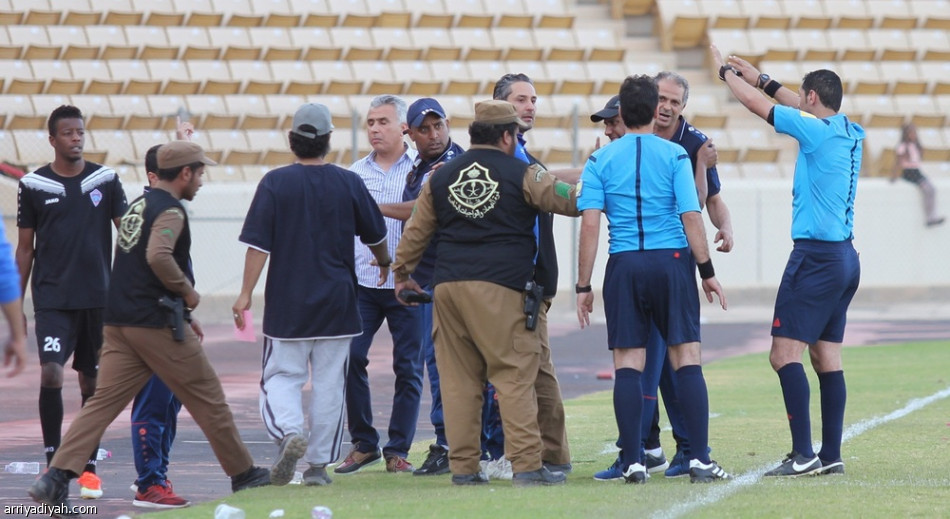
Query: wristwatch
(763, 80)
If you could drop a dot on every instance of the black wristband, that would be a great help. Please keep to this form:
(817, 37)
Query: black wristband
(771, 88)
(724, 68)
(582, 290)
(706, 269)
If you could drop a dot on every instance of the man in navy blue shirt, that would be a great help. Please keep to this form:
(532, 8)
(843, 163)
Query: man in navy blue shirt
(656, 238)
(304, 217)
(429, 131)
(823, 270)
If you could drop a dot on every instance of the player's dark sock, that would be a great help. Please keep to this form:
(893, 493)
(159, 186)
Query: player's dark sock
(652, 439)
(51, 419)
(628, 407)
(834, 394)
(694, 402)
(796, 392)
(91, 464)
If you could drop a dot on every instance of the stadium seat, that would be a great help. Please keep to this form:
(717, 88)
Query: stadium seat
(905, 77)
(476, 44)
(377, 77)
(397, 43)
(771, 45)
(336, 78)
(72, 42)
(516, 43)
(357, 43)
(813, 43)
(60, 77)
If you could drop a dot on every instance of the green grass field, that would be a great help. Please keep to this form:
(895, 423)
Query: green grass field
(896, 463)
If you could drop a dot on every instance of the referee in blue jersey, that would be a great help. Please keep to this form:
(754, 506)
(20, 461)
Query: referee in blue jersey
(644, 184)
(823, 271)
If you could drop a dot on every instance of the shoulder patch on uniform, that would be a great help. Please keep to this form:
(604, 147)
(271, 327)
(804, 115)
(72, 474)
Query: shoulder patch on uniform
(592, 158)
(683, 156)
(538, 171)
(177, 212)
(562, 189)
(579, 187)
(806, 114)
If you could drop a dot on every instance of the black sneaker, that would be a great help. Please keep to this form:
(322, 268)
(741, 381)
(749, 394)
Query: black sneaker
(636, 474)
(292, 448)
(700, 472)
(436, 463)
(250, 478)
(478, 478)
(655, 463)
(52, 489)
(831, 467)
(542, 476)
(795, 465)
(566, 468)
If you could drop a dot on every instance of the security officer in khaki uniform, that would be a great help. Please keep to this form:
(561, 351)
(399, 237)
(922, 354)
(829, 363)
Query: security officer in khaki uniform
(484, 205)
(151, 289)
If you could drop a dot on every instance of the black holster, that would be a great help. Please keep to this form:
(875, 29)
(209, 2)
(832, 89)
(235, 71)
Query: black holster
(533, 298)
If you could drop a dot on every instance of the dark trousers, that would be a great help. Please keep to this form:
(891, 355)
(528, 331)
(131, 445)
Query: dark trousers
(404, 326)
(154, 422)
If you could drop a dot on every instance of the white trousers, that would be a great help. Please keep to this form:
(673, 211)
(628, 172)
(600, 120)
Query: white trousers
(285, 366)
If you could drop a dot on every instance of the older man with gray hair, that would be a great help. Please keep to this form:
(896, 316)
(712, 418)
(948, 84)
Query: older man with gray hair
(384, 172)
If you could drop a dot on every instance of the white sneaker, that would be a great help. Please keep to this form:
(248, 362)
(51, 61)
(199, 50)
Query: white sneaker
(498, 469)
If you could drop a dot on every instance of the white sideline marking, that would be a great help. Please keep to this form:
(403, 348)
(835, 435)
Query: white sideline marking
(721, 491)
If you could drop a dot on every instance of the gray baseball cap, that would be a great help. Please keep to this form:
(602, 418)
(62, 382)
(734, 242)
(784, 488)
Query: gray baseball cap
(315, 115)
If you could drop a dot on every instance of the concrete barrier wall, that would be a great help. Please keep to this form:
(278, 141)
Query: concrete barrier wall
(897, 250)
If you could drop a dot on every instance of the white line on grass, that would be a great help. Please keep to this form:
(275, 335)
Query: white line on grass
(718, 492)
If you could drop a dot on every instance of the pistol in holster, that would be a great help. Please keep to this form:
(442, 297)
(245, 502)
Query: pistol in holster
(174, 308)
(533, 298)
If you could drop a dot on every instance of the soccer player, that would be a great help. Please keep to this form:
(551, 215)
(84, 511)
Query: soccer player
(65, 213)
(823, 270)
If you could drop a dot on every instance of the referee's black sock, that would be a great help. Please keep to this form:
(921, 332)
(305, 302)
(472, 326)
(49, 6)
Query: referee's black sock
(834, 394)
(797, 394)
(693, 398)
(628, 406)
(51, 419)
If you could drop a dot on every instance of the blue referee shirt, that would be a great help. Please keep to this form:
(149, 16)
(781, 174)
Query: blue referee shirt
(643, 183)
(826, 173)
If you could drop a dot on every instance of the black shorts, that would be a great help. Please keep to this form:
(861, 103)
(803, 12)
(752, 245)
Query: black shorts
(61, 333)
(914, 176)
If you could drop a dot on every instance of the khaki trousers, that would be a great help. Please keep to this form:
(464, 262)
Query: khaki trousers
(479, 334)
(550, 406)
(129, 357)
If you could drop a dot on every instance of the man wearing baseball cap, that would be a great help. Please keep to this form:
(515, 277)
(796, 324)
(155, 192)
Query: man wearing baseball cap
(610, 115)
(484, 205)
(310, 304)
(152, 286)
(429, 131)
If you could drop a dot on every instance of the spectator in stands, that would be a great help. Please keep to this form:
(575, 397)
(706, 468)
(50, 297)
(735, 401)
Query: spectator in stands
(384, 172)
(907, 166)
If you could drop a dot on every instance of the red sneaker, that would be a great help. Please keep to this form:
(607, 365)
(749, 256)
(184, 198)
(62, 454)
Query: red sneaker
(159, 497)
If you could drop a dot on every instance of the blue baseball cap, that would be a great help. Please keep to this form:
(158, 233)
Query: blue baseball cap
(421, 108)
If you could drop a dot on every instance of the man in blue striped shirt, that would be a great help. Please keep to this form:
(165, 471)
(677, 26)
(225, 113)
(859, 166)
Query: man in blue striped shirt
(384, 172)
(823, 271)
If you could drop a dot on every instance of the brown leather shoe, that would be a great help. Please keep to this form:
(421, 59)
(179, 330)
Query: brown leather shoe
(356, 460)
(398, 464)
